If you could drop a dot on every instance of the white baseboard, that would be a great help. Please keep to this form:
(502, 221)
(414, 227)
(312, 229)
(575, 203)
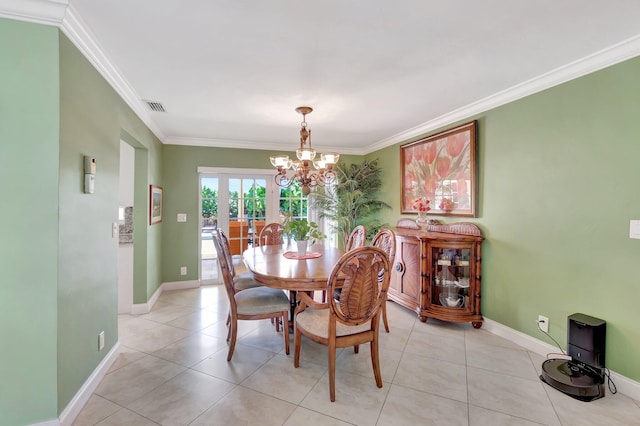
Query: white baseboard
(71, 411)
(625, 385)
(145, 308)
(180, 285)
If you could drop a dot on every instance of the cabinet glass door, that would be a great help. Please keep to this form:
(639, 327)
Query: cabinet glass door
(451, 277)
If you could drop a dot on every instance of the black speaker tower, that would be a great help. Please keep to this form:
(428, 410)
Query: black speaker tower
(583, 376)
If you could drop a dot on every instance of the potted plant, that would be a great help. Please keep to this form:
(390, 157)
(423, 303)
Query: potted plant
(304, 232)
(353, 199)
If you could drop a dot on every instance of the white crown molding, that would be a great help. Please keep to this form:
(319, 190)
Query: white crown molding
(77, 31)
(48, 12)
(230, 143)
(617, 53)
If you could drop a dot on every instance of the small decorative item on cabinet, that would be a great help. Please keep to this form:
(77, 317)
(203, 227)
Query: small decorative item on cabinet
(421, 205)
(438, 272)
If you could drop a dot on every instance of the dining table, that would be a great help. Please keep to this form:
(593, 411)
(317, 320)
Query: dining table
(280, 266)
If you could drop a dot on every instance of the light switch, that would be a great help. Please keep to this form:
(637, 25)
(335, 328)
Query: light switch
(182, 217)
(114, 230)
(634, 229)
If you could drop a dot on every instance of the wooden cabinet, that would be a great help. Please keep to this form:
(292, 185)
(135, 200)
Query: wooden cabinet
(437, 271)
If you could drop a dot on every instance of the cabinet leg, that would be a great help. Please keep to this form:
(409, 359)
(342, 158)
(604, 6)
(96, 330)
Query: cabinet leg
(422, 318)
(476, 324)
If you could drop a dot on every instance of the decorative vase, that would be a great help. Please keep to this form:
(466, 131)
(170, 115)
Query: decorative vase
(302, 247)
(422, 220)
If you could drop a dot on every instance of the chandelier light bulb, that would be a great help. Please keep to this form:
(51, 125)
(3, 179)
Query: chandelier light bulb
(306, 154)
(280, 161)
(319, 164)
(330, 158)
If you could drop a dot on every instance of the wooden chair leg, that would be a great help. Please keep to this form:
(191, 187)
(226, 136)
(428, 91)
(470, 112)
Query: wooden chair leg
(233, 329)
(285, 330)
(297, 337)
(356, 349)
(375, 361)
(332, 371)
(384, 316)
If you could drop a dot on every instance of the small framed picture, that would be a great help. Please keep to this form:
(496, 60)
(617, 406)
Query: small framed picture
(155, 204)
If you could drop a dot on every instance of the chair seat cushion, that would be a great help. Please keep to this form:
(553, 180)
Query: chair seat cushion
(244, 281)
(261, 300)
(316, 321)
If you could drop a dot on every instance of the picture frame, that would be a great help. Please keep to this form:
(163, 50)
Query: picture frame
(155, 204)
(443, 169)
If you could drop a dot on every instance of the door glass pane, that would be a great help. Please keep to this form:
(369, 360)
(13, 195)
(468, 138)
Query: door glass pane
(209, 222)
(255, 205)
(247, 211)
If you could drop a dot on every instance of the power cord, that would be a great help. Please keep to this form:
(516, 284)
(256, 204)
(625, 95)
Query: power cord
(551, 337)
(601, 374)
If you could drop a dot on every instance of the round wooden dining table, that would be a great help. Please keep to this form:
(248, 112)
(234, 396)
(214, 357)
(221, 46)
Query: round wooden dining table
(277, 266)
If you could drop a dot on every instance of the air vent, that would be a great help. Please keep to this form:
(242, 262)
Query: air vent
(155, 106)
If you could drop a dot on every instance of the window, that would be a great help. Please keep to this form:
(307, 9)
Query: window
(293, 203)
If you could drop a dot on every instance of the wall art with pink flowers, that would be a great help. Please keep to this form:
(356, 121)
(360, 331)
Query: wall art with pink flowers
(443, 169)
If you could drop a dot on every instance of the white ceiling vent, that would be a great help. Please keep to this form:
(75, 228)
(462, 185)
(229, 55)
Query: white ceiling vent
(155, 106)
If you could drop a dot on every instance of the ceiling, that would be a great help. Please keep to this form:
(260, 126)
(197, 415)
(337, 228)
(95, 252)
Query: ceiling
(377, 72)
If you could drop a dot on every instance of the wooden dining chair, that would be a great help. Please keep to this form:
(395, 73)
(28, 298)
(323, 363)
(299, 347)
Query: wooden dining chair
(354, 319)
(357, 238)
(386, 240)
(271, 234)
(252, 303)
(241, 281)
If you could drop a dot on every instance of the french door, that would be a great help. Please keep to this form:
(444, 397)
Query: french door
(239, 202)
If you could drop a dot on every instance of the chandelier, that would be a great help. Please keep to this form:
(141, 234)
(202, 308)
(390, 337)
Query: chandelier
(302, 172)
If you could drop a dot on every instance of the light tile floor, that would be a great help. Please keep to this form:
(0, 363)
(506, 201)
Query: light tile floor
(172, 370)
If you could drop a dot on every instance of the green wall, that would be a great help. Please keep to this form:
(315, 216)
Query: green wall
(29, 198)
(181, 188)
(93, 119)
(557, 188)
(60, 268)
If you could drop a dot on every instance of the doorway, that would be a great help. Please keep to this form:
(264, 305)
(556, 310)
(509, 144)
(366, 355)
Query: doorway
(239, 202)
(125, 225)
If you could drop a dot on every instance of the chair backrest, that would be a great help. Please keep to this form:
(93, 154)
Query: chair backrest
(363, 276)
(357, 238)
(386, 240)
(271, 234)
(226, 251)
(225, 266)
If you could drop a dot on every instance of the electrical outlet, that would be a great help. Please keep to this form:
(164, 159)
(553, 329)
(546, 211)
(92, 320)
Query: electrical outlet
(543, 323)
(101, 341)
(183, 270)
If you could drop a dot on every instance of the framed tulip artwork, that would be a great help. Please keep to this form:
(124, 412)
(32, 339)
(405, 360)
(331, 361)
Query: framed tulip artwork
(442, 169)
